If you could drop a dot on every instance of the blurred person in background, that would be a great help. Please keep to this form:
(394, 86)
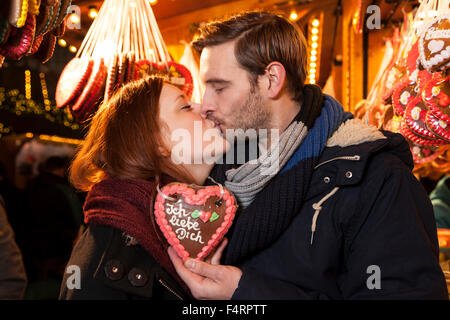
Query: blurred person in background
(440, 198)
(54, 216)
(13, 278)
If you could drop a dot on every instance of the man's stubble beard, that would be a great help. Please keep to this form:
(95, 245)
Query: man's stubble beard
(253, 113)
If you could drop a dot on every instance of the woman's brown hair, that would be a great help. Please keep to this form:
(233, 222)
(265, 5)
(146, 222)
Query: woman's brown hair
(124, 139)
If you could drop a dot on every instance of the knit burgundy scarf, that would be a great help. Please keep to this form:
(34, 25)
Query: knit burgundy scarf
(126, 205)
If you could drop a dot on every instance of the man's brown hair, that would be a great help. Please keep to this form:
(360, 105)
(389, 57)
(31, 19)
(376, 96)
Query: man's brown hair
(261, 38)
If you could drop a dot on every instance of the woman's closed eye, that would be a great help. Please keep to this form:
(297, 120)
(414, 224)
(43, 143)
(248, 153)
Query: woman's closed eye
(186, 107)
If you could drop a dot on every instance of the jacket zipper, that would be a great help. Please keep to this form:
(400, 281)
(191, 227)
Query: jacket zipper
(168, 288)
(352, 158)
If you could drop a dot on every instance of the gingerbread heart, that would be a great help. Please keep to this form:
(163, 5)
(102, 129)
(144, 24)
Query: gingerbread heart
(394, 75)
(72, 81)
(423, 154)
(403, 93)
(194, 219)
(20, 40)
(434, 44)
(437, 95)
(92, 94)
(415, 118)
(439, 127)
(176, 73)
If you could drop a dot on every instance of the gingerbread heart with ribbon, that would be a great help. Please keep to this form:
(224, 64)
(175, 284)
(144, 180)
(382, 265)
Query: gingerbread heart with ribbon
(194, 219)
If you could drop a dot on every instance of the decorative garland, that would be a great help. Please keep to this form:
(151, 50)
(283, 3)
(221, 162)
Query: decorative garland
(14, 102)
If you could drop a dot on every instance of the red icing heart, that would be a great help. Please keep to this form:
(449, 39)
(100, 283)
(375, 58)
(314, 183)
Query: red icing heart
(205, 216)
(182, 226)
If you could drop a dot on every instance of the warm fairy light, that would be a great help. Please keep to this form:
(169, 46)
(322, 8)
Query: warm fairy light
(62, 42)
(93, 13)
(29, 135)
(293, 16)
(314, 51)
(153, 2)
(74, 18)
(133, 4)
(44, 91)
(60, 139)
(73, 49)
(27, 84)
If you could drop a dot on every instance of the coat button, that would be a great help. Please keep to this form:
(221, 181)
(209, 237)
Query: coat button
(137, 277)
(114, 270)
(348, 174)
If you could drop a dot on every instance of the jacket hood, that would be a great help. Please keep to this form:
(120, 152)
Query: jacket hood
(355, 138)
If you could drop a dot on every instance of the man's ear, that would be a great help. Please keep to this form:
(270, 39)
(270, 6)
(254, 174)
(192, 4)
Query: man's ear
(275, 78)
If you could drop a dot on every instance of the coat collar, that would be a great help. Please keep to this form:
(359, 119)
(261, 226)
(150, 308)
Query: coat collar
(346, 165)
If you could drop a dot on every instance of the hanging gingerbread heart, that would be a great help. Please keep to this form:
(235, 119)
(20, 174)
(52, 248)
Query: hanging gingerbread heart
(434, 44)
(44, 18)
(176, 73)
(46, 48)
(18, 11)
(437, 96)
(20, 40)
(403, 93)
(393, 76)
(194, 219)
(72, 81)
(439, 127)
(110, 85)
(415, 118)
(424, 154)
(64, 6)
(92, 94)
(413, 136)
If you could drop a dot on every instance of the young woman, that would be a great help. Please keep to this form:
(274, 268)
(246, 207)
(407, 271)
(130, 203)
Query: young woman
(126, 154)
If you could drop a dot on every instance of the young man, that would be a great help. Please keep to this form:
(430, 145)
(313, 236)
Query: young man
(343, 217)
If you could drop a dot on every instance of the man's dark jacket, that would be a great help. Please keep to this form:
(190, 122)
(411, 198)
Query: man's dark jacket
(375, 237)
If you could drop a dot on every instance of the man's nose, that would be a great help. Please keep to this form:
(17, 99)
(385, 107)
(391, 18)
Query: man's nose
(206, 108)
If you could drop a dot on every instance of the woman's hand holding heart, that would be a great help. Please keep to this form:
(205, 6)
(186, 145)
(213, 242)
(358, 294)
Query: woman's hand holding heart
(208, 280)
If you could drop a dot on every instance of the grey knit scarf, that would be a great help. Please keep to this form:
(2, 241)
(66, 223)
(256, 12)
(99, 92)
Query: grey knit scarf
(246, 181)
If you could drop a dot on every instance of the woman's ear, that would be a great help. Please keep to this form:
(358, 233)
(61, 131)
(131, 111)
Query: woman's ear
(276, 77)
(163, 151)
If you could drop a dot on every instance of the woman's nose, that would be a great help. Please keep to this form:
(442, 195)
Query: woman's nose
(196, 107)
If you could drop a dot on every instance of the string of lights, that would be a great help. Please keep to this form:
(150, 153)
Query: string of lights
(314, 50)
